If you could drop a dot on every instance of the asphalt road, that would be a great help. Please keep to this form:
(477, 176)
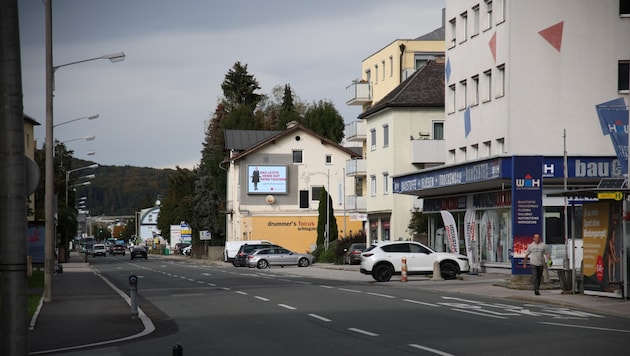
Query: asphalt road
(224, 310)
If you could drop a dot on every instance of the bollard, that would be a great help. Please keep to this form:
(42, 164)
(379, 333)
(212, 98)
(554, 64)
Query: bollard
(403, 273)
(437, 273)
(133, 291)
(178, 350)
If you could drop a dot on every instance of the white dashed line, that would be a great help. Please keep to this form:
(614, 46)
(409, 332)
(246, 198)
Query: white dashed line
(320, 318)
(212, 284)
(419, 302)
(364, 332)
(482, 314)
(225, 288)
(350, 290)
(262, 298)
(241, 292)
(587, 327)
(325, 286)
(437, 352)
(287, 306)
(381, 295)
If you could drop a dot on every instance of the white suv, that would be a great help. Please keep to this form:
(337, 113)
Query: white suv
(384, 259)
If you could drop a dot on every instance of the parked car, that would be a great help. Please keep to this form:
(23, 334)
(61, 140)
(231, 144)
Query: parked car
(278, 256)
(352, 254)
(138, 252)
(240, 259)
(232, 247)
(99, 250)
(384, 259)
(117, 250)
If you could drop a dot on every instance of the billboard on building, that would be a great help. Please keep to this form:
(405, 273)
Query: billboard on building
(266, 179)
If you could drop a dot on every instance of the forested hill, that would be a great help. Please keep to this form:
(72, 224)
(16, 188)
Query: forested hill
(123, 190)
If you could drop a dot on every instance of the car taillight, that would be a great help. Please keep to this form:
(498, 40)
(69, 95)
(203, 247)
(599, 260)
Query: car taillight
(368, 254)
(250, 256)
(356, 252)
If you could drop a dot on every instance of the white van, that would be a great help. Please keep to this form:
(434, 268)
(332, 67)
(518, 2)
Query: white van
(231, 247)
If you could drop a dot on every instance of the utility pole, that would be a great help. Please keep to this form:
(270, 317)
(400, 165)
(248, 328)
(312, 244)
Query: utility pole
(13, 189)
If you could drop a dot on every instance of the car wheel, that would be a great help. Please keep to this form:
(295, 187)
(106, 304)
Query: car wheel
(262, 264)
(448, 270)
(383, 273)
(235, 264)
(303, 262)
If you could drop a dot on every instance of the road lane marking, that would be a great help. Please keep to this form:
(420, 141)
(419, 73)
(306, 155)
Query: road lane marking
(325, 286)
(206, 274)
(241, 292)
(200, 282)
(303, 282)
(364, 332)
(349, 290)
(477, 313)
(419, 302)
(381, 295)
(319, 317)
(287, 306)
(437, 352)
(587, 327)
(187, 295)
(212, 284)
(225, 288)
(261, 298)
(191, 280)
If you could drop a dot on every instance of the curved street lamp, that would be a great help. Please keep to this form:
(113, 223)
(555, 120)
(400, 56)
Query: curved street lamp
(87, 117)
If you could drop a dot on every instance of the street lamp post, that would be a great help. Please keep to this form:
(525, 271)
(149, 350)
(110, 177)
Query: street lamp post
(49, 174)
(92, 166)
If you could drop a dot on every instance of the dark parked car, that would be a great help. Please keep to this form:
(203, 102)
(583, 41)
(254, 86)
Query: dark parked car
(117, 250)
(353, 253)
(138, 252)
(240, 260)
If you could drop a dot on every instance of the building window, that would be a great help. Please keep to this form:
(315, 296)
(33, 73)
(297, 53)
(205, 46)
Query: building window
(421, 60)
(487, 148)
(297, 156)
(451, 156)
(304, 199)
(315, 192)
(500, 146)
(474, 151)
(376, 73)
(328, 159)
(383, 65)
(463, 27)
(391, 66)
(624, 8)
(499, 11)
(385, 135)
(438, 130)
(385, 183)
(474, 99)
(373, 139)
(373, 186)
(487, 85)
(624, 76)
(475, 21)
(462, 154)
(500, 81)
(453, 33)
(463, 86)
(368, 76)
(488, 23)
(451, 99)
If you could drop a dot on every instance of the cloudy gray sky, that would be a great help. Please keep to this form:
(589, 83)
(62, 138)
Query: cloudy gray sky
(153, 106)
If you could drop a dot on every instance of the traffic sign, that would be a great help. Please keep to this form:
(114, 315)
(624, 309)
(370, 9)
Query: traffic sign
(610, 195)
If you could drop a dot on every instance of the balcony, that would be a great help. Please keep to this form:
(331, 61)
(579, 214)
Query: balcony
(428, 151)
(355, 131)
(358, 93)
(356, 167)
(356, 203)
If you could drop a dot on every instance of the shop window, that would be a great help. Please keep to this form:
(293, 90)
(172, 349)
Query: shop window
(624, 8)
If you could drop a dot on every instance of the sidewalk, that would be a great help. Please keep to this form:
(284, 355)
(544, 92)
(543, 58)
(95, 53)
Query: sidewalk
(84, 310)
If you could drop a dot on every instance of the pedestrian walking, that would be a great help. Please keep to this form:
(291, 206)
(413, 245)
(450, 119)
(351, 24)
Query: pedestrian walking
(537, 251)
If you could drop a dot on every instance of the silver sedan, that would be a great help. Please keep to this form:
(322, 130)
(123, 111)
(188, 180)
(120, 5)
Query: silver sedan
(278, 256)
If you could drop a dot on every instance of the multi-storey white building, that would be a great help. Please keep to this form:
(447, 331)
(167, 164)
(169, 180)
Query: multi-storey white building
(523, 79)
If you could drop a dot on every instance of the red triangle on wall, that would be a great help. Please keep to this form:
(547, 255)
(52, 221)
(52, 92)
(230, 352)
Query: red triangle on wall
(493, 46)
(553, 35)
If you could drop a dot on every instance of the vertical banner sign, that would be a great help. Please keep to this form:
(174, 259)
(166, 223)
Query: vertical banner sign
(602, 247)
(472, 242)
(527, 209)
(450, 229)
(613, 118)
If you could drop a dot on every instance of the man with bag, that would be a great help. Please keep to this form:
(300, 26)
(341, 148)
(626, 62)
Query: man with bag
(538, 251)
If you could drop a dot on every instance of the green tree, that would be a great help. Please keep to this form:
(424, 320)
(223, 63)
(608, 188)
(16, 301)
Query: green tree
(239, 88)
(177, 205)
(288, 111)
(419, 222)
(326, 213)
(323, 118)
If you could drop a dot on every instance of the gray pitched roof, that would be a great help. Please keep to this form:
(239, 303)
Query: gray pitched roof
(435, 35)
(240, 140)
(424, 88)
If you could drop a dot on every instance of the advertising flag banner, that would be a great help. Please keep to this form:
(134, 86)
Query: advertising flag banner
(527, 209)
(450, 229)
(613, 118)
(472, 242)
(601, 248)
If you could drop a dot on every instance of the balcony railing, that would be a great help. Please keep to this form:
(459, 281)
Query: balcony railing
(358, 93)
(355, 203)
(428, 151)
(355, 131)
(356, 167)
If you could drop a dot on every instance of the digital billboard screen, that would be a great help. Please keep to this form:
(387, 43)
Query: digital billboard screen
(266, 179)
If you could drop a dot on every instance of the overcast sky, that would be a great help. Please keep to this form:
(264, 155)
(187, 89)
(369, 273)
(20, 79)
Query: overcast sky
(154, 105)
